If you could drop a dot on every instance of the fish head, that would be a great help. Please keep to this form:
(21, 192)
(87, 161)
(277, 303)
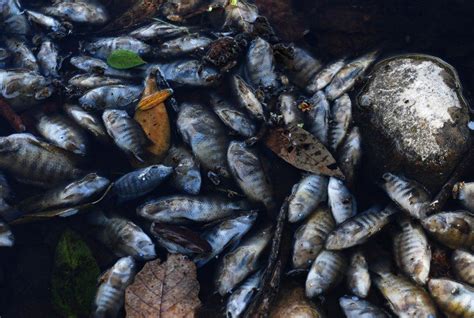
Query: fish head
(146, 249)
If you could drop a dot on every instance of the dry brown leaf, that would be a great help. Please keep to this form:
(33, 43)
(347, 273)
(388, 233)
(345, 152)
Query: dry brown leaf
(139, 12)
(302, 150)
(164, 290)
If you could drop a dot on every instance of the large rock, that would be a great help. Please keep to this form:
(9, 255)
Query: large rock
(413, 119)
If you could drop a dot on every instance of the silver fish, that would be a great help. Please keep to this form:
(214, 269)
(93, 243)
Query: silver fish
(324, 76)
(326, 272)
(121, 236)
(186, 176)
(112, 96)
(112, 284)
(292, 115)
(56, 28)
(62, 132)
(455, 299)
(409, 195)
(140, 182)
(350, 154)
(202, 130)
(302, 68)
(340, 199)
(354, 307)
(226, 233)
(318, 117)
(246, 166)
(6, 236)
(309, 238)
(87, 121)
(36, 162)
(103, 47)
(23, 57)
(260, 64)
(75, 193)
(180, 209)
(238, 264)
(158, 30)
(183, 45)
(453, 229)
(189, 73)
(81, 11)
(241, 298)
(340, 120)
(463, 265)
(127, 134)
(12, 18)
(345, 79)
(90, 64)
(306, 196)
(247, 98)
(233, 117)
(464, 192)
(358, 278)
(359, 228)
(49, 59)
(90, 81)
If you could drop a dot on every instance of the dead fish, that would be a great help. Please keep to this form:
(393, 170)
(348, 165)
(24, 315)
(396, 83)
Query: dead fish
(238, 264)
(62, 132)
(409, 195)
(260, 64)
(81, 12)
(240, 16)
(49, 59)
(464, 192)
(233, 117)
(455, 299)
(23, 57)
(189, 73)
(340, 199)
(111, 291)
(5, 57)
(345, 79)
(181, 209)
(246, 98)
(226, 233)
(56, 29)
(306, 196)
(23, 89)
(309, 238)
(5, 189)
(358, 278)
(202, 130)
(302, 68)
(112, 96)
(87, 121)
(75, 193)
(405, 298)
(159, 30)
(359, 228)
(186, 176)
(179, 239)
(90, 81)
(183, 45)
(246, 166)
(354, 307)
(324, 76)
(122, 237)
(241, 298)
(140, 182)
(412, 251)
(12, 19)
(326, 272)
(340, 120)
(453, 229)
(6, 236)
(92, 65)
(318, 117)
(127, 134)
(36, 162)
(288, 108)
(463, 265)
(350, 154)
(103, 47)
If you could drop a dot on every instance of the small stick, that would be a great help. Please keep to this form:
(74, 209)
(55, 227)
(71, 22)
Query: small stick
(11, 116)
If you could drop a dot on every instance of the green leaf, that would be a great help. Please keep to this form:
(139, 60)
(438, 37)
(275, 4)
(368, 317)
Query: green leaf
(74, 277)
(233, 2)
(124, 59)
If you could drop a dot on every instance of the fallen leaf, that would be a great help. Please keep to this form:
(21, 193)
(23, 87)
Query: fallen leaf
(139, 12)
(302, 150)
(74, 276)
(124, 59)
(164, 290)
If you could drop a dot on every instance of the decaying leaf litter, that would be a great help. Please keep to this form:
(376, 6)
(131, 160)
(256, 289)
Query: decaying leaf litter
(204, 131)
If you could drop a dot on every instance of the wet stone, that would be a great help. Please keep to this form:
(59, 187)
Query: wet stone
(413, 118)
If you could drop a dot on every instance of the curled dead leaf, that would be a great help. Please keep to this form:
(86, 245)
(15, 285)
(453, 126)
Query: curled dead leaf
(164, 290)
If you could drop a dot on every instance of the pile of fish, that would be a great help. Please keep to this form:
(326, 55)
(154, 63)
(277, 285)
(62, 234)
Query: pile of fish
(212, 196)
